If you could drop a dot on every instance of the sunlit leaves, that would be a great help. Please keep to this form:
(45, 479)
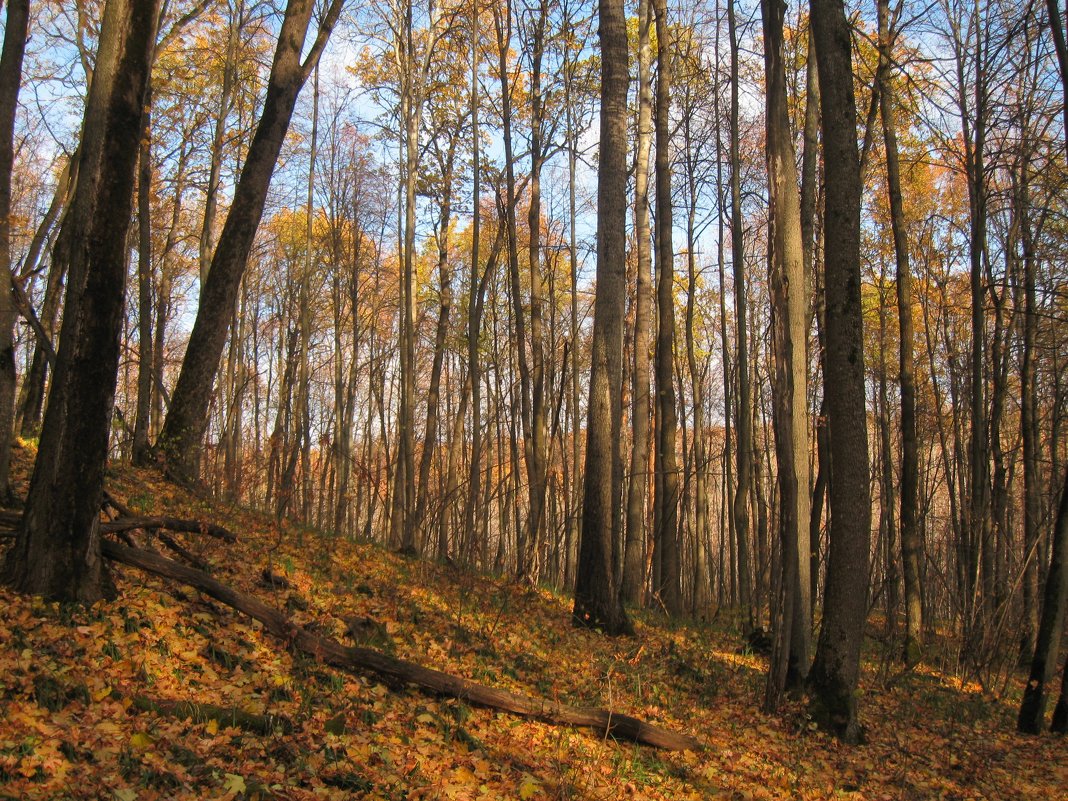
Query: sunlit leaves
(67, 678)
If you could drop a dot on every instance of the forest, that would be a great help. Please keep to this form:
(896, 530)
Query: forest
(378, 379)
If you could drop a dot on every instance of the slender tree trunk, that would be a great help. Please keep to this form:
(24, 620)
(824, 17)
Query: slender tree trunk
(183, 431)
(787, 281)
(743, 415)
(536, 443)
(809, 193)
(476, 296)
(637, 490)
(31, 405)
(911, 544)
(666, 503)
(887, 518)
(430, 435)
(1029, 432)
(143, 414)
(15, 32)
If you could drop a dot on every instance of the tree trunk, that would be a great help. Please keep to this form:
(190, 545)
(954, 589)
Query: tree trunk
(218, 141)
(475, 302)
(911, 544)
(143, 410)
(187, 419)
(837, 664)
(637, 490)
(57, 552)
(743, 415)
(15, 32)
(597, 601)
(1051, 626)
(666, 503)
(789, 314)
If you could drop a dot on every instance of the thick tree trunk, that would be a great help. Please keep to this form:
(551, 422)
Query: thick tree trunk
(837, 665)
(57, 553)
(597, 600)
(1051, 626)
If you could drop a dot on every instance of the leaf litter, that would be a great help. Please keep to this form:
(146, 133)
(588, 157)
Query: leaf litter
(70, 727)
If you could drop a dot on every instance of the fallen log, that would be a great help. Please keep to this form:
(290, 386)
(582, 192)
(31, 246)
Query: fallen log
(168, 523)
(399, 671)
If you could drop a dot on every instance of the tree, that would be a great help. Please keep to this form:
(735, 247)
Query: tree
(187, 419)
(743, 410)
(911, 544)
(1050, 628)
(15, 29)
(637, 491)
(836, 668)
(666, 500)
(789, 312)
(597, 600)
(1051, 623)
(57, 552)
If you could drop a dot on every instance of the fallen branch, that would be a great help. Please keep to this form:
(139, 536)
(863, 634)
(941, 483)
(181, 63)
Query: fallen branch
(169, 523)
(190, 557)
(399, 671)
(224, 716)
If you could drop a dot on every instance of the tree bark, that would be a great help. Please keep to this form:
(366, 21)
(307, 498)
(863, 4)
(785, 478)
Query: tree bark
(1050, 628)
(597, 600)
(789, 314)
(836, 669)
(57, 552)
(666, 503)
(638, 487)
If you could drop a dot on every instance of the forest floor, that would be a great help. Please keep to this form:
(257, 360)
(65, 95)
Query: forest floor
(69, 727)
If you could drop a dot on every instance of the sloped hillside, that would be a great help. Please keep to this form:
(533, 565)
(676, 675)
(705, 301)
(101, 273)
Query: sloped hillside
(166, 694)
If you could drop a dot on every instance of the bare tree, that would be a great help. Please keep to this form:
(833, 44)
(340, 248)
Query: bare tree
(187, 418)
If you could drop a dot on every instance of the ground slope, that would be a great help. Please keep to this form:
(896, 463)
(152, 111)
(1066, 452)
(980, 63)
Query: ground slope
(88, 696)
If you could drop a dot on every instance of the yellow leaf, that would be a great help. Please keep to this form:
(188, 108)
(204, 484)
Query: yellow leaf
(140, 741)
(102, 693)
(528, 788)
(212, 727)
(234, 783)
